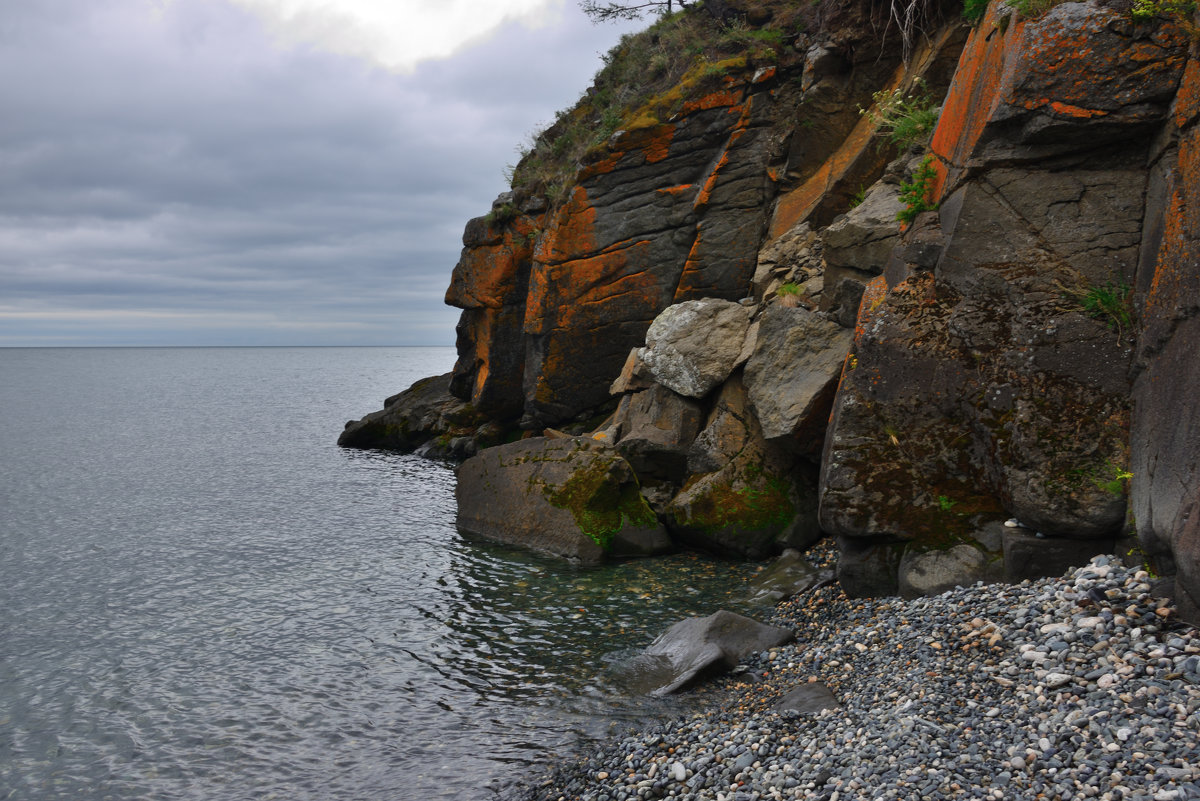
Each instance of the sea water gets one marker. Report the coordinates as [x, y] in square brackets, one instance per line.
[203, 597]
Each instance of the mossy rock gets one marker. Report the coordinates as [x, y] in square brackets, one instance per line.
[570, 497]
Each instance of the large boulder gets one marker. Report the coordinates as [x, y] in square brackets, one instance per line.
[424, 412]
[1165, 436]
[990, 386]
[699, 648]
[570, 497]
[655, 428]
[858, 245]
[692, 347]
[793, 374]
[747, 498]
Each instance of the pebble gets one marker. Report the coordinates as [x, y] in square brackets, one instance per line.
[1034, 690]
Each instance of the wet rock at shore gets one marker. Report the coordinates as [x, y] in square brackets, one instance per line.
[699, 648]
[788, 575]
[570, 497]
[420, 414]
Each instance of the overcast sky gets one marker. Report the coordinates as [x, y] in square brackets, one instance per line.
[262, 172]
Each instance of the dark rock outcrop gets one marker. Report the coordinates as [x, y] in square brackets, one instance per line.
[983, 388]
[1024, 350]
[425, 413]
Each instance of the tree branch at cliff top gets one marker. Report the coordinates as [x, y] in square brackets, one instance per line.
[611, 12]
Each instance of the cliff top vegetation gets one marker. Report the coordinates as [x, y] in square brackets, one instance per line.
[647, 78]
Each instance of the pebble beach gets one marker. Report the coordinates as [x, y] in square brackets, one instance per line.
[1085, 686]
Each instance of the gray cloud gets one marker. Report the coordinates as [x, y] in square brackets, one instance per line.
[181, 178]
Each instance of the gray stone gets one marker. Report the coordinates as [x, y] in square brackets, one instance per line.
[572, 497]
[793, 374]
[863, 239]
[656, 428]
[692, 347]
[934, 572]
[700, 648]
[810, 698]
[788, 575]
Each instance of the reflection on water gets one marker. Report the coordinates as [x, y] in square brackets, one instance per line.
[203, 597]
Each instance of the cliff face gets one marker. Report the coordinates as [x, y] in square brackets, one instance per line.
[673, 206]
[1021, 351]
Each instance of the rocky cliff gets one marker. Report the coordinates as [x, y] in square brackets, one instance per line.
[968, 357]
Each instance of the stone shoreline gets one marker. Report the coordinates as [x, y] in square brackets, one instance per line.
[1085, 686]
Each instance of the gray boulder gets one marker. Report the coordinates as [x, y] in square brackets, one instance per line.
[656, 427]
[862, 240]
[692, 347]
[699, 648]
[570, 497]
[792, 376]
[934, 572]
[748, 498]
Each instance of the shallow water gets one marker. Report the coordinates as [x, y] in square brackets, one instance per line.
[203, 597]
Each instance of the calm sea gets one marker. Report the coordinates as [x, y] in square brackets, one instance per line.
[202, 597]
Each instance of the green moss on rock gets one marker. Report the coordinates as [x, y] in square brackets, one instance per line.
[601, 503]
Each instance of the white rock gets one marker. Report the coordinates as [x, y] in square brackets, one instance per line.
[678, 771]
[1055, 680]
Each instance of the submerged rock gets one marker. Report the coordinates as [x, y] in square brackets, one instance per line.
[570, 497]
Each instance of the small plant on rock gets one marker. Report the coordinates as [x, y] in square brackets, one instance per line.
[974, 10]
[1109, 301]
[501, 215]
[916, 193]
[904, 118]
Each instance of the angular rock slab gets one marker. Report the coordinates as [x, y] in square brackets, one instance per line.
[793, 374]
[748, 498]
[787, 576]
[699, 648]
[692, 347]
[656, 427]
[571, 497]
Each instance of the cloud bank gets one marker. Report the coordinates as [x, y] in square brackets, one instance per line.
[196, 172]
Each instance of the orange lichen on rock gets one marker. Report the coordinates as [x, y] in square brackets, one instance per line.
[1070, 65]
[873, 297]
[484, 274]
[571, 234]
[796, 205]
[726, 97]
[1174, 284]
[973, 94]
[1187, 98]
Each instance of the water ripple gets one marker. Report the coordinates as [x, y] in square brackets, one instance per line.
[204, 598]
